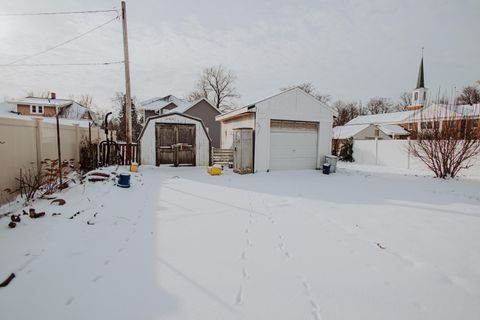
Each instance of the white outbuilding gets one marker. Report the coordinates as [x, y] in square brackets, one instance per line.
[174, 139]
[291, 130]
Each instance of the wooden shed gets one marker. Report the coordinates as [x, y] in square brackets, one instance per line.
[174, 139]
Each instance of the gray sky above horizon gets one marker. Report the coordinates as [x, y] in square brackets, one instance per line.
[352, 50]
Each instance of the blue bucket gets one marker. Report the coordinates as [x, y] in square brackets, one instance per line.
[124, 180]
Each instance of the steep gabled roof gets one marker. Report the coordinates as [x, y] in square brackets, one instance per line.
[251, 106]
[421, 76]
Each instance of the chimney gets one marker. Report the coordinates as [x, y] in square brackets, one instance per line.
[53, 95]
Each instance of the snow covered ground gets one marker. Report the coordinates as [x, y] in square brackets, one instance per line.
[180, 244]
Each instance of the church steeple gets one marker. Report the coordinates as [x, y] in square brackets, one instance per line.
[421, 77]
[419, 95]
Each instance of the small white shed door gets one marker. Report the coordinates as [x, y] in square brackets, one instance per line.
[293, 145]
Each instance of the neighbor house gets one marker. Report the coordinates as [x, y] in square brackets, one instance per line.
[291, 130]
[201, 109]
[49, 107]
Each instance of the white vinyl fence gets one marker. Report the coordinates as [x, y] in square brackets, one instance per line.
[395, 154]
[25, 143]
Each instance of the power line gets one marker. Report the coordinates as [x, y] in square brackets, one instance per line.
[56, 13]
[62, 64]
[63, 43]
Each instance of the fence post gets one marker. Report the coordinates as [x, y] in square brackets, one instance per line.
[77, 142]
[408, 154]
[38, 141]
[376, 151]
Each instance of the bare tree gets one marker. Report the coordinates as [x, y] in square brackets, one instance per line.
[86, 100]
[404, 101]
[447, 142]
[31, 94]
[470, 94]
[309, 88]
[216, 84]
[346, 112]
[379, 105]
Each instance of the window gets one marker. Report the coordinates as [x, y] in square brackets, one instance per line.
[377, 132]
[475, 123]
[436, 124]
[425, 95]
[427, 125]
[416, 95]
[36, 109]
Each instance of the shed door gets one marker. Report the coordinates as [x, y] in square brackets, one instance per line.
[293, 145]
[175, 144]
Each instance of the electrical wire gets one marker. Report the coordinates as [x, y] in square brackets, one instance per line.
[62, 43]
[56, 13]
[62, 64]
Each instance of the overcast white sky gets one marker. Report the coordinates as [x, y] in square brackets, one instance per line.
[350, 49]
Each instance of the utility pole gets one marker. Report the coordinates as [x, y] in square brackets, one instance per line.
[128, 97]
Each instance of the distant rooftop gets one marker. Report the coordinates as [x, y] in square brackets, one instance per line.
[158, 103]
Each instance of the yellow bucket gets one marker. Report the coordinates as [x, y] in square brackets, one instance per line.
[134, 167]
[215, 171]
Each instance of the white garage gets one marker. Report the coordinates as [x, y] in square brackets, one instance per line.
[292, 130]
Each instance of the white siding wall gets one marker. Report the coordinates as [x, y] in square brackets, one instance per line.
[246, 121]
[291, 105]
[148, 153]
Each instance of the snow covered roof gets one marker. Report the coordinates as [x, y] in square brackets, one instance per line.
[7, 111]
[381, 118]
[393, 129]
[43, 101]
[347, 132]
[251, 106]
[158, 103]
[443, 111]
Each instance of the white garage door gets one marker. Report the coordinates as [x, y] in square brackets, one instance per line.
[293, 145]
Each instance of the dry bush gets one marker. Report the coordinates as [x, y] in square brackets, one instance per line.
[447, 142]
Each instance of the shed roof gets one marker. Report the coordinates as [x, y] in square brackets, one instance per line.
[173, 114]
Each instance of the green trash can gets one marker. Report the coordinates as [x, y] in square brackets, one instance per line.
[332, 160]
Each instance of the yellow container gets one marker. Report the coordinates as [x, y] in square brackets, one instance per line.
[215, 171]
[134, 167]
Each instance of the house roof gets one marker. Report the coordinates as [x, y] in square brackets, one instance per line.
[43, 101]
[69, 108]
[7, 111]
[347, 132]
[155, 104]
[186, 107]
[393, 129]
[387, 118]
